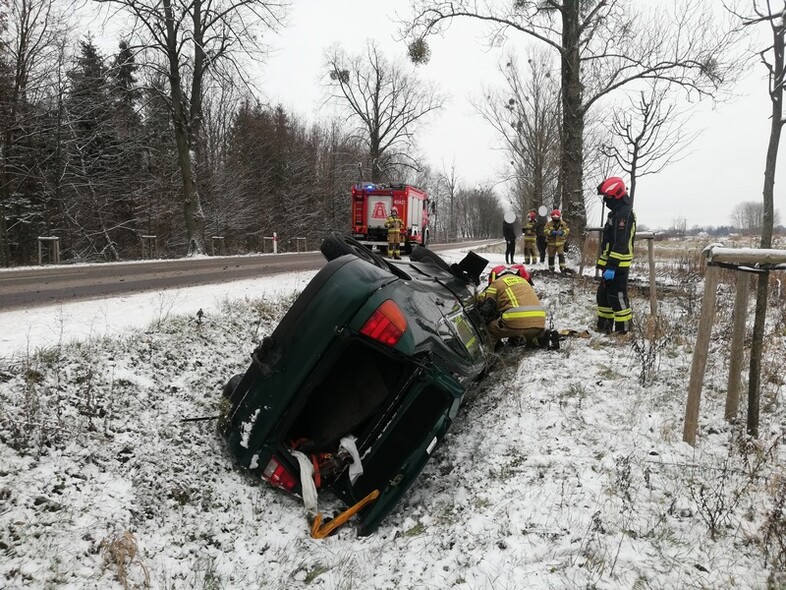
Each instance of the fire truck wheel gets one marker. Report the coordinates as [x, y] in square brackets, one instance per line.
[335, 245]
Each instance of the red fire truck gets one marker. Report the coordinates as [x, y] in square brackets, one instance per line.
[371, 204]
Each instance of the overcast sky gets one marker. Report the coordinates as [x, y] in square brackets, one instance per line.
[725, 166]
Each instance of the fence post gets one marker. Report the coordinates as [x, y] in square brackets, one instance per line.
[217, 240]
[52, 249]
[275, 243]
[149, 246]
[699, 364]
[737, 339]
[651, 259]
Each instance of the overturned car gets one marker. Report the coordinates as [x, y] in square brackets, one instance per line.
[359, 382]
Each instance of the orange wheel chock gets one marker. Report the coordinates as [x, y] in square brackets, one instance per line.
[320, 531]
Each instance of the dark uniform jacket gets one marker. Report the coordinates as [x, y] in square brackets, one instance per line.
[508, 232]
[618, 234]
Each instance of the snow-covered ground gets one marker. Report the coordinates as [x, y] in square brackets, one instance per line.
[567, 470]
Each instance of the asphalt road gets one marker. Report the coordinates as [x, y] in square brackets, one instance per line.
[47, 285]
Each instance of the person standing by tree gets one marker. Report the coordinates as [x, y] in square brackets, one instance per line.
[616, 255]
[394, 225]
[529, 230]
[509, 233]
[556, 232]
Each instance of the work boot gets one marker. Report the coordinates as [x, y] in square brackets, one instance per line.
[542, 340]
[605, 325]
[554, 340]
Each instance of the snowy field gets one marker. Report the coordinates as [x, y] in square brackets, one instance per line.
[567, 470]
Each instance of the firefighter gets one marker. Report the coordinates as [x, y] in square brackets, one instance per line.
[394, 225]
[530, 236]
[556, 232]
[616, 256]
[512, 309]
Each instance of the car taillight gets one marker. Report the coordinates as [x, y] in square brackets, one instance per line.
[278, 475]
[386, 325]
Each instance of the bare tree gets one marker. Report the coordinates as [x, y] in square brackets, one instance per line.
[189, 42]
[603, 45]
[386, 102]
[749, 217]
[449, 186]
[526, 116]
[773, 14]
[31, 51]
[647, 136]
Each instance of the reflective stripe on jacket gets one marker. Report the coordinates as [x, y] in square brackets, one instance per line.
[556, 226]
[619, 234]
[394, 224]
[517, 302]
[529, 231]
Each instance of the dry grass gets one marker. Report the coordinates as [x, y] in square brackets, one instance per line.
[122, 551]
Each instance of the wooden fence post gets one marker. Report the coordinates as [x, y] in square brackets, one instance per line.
[737, 339]
[699, 364]
[651, 260]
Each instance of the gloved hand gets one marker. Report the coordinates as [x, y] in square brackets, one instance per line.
[560, 232]
[554, 232]
[488, 310]
[608, 274]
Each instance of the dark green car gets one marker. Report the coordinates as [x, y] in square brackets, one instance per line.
[365, 372]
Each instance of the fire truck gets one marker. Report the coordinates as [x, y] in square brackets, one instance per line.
[371, 204]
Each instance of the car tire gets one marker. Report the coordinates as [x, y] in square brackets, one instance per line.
[230, 386]
[336, 245]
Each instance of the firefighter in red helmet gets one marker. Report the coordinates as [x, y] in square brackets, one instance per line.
[616, 256]
[530, 236]
[394, 225]
[556, 231]
[512, 309]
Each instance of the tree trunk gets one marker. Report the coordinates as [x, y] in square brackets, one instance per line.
[762, 289]
[192, 207]
[572, 154]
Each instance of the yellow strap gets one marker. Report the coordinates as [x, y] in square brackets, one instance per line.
[320, 531]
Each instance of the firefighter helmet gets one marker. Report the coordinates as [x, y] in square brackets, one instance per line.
[394, 210]
[522, 271]
[532, 215]
[556, 214]
[502, 270]
[613, 188]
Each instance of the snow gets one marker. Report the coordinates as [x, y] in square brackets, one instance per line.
[565, 470]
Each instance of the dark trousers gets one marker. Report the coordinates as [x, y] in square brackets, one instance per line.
[542, 247]
[510, 251]
[614, 311]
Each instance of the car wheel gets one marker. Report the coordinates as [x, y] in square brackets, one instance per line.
[230, 386]
[336, 245]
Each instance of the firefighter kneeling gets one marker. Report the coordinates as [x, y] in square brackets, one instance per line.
[512, 310]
